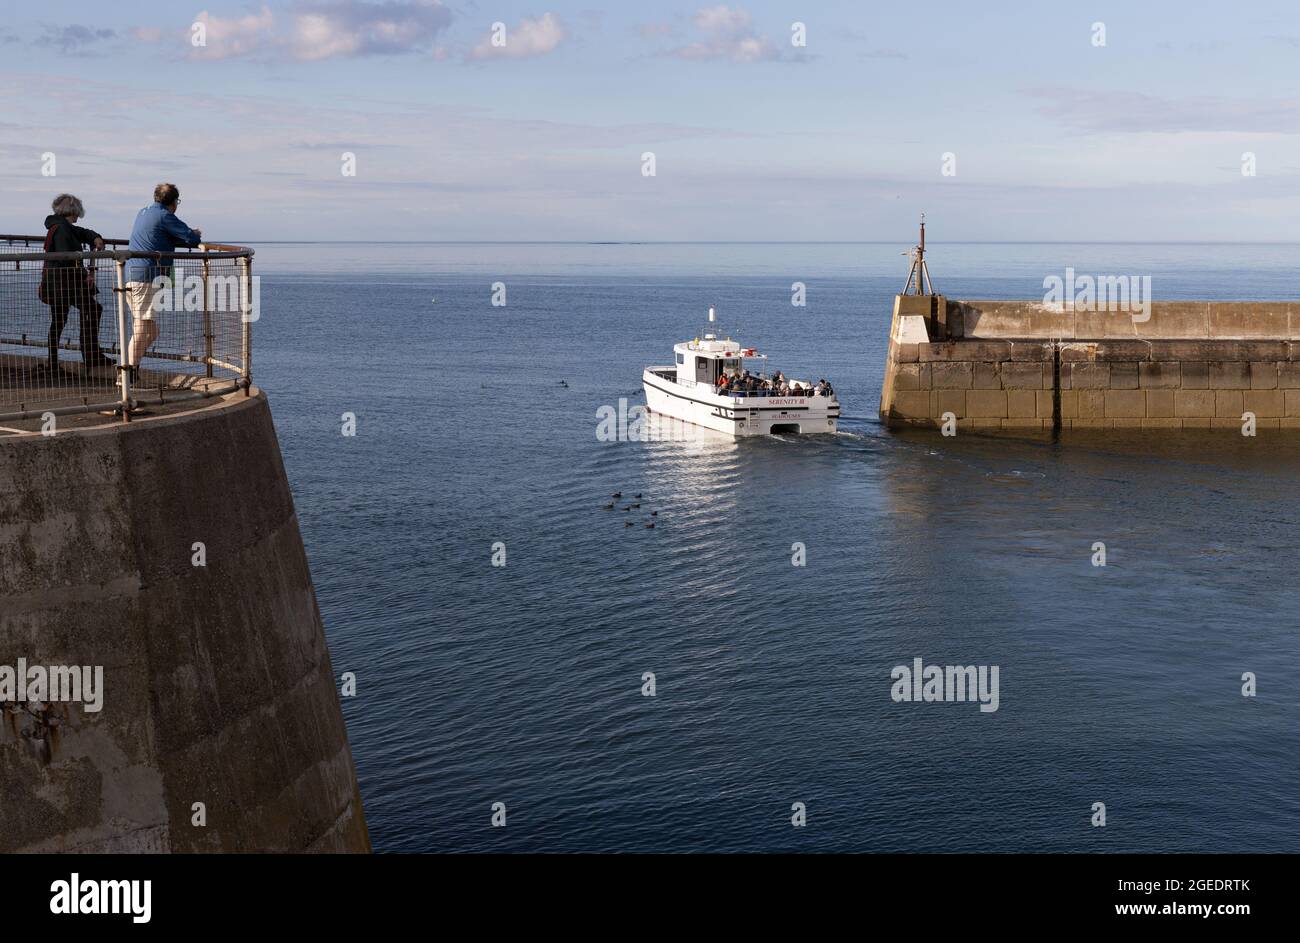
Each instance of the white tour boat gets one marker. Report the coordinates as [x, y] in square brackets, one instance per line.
[770, 404]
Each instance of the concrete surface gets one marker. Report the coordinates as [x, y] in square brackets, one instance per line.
[1169, 320]
[218, 684]
[1022, 366]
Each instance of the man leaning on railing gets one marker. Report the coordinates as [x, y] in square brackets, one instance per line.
[156, 229]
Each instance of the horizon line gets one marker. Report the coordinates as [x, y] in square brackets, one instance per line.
[764, 242]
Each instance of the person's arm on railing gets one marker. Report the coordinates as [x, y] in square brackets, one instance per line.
[89, 237]
[181, 234]
[72, 238]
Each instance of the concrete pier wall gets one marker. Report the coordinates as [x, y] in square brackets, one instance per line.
[1024, 366]
[217, 688]
[1166, 320]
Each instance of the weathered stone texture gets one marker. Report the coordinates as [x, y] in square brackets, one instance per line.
[217, 681]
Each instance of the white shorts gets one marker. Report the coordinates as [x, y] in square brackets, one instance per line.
[141, 296]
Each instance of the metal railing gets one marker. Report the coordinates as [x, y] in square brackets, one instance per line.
[806, 389]
[67, 320]
[801, 393]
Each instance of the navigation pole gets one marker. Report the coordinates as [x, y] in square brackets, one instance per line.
[919, 274]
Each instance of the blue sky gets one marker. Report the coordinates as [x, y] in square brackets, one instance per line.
[1054, 137]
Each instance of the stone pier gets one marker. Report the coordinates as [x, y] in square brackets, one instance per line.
[1025, 366]
[220, 727]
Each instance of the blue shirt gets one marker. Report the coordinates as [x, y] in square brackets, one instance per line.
[156, 229]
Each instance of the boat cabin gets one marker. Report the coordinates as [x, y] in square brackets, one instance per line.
[701, 362]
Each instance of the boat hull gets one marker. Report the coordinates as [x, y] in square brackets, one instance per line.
[741, 416]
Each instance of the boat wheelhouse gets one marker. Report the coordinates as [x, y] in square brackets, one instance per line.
[718, 384]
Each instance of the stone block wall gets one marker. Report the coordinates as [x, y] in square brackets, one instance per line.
[1024, 384]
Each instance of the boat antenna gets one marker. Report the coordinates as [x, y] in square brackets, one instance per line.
[711, 318]
[919, 273]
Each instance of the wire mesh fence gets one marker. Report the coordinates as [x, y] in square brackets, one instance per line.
[108, 330]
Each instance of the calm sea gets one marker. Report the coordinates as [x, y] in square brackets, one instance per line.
[522, 684]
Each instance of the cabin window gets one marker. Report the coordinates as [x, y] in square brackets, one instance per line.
[681, 359]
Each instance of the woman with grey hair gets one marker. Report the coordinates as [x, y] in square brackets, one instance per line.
[66, 283]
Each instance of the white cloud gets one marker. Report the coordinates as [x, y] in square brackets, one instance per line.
[231, 37]
[729, 35]
[532, 37]
[724, 19]
[319, 37]
[355, 28]
[328, 29]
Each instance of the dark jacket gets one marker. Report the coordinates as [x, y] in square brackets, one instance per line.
[67, 238]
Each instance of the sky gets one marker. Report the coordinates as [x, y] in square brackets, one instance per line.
[489, 120]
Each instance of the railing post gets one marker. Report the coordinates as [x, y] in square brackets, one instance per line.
[246, 325]
[123, 374]
[207, 314]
